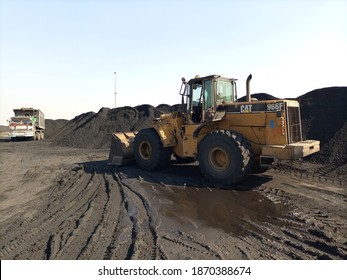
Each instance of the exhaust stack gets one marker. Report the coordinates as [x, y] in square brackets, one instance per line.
[248, 93]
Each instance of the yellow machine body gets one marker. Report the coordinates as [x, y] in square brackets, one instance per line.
[267, 132]
[271, 128]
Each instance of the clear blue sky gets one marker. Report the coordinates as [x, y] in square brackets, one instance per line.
[60, 56]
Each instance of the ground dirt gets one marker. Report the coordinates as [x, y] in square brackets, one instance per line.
[60, 200]
[67, 203]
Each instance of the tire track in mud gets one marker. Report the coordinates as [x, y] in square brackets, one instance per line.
[143, 234]
[65, 200]
[79, 216]
[102, 213]
[179, 241]
[87, 233]
[321, 174]
[88, 215]
[190, 246]
[306, 232]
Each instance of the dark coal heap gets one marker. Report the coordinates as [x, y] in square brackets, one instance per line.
[323, 113]
[324, 117]
[93, 130]
[258, 96]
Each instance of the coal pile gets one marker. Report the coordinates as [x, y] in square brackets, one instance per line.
[258, 96]
[93, 130]
[334, 152]
[323, 112]
[324, 118]
[53, 127]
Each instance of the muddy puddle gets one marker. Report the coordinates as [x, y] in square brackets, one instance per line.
[234, 212]
[198, 205]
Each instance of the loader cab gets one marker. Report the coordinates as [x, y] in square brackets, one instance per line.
[205, 94]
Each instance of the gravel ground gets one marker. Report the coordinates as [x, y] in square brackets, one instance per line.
[67, 203]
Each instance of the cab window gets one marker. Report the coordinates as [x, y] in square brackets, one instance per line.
[225, 91]
[196, 108]
[208, 94]
[196, 94]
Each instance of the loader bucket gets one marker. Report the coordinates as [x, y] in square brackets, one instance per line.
[121, 151]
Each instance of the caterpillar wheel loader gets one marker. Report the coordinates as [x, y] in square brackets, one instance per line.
[228, 138]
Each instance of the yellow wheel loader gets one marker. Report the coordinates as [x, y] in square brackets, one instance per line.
[228, 138]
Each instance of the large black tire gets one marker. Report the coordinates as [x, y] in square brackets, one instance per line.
[149, 151]
[224, 157]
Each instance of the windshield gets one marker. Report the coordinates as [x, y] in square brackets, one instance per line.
[21, 120]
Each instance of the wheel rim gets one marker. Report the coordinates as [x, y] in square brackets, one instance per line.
[219, 159]
[145, 150]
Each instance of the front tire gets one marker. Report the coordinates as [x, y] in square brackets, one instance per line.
[149, 151]
[224, 157]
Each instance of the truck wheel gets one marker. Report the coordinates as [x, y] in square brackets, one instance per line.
[149, 151]
[224, 157]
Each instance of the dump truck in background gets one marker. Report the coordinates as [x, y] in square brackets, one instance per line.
[27, 123]
[229, 139]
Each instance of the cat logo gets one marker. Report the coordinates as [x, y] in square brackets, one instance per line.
[246, 108]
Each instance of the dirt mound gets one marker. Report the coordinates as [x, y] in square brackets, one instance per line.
[323, 112]
[53, 126]
[335, 151]
[324, 117]
[165, 108]
[93, 130]
[259, 96]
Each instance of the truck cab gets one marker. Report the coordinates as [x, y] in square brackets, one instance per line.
[27, 123]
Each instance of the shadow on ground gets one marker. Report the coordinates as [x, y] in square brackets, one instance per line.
[174, 175]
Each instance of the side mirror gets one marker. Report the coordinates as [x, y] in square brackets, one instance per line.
[184, 87]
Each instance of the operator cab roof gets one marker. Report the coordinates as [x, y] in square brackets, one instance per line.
[200, 79]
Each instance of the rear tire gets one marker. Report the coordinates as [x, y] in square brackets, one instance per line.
[149, 151]
[224, 157]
